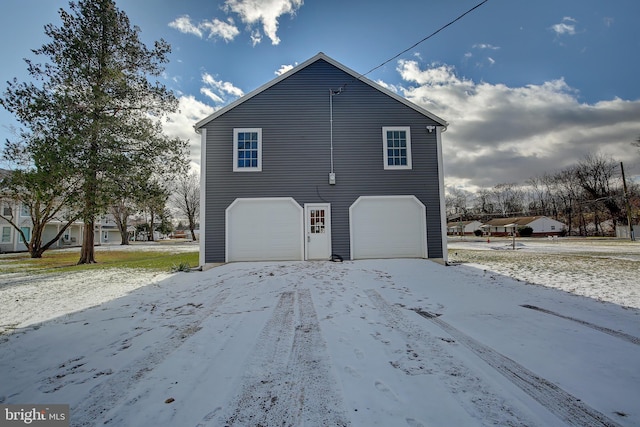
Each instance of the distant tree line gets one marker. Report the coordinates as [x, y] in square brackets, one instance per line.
[588, 197]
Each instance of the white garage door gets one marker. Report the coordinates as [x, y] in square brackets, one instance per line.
[264, 229]
[388, 227]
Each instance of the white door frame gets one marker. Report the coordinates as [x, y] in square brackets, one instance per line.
[321, 242]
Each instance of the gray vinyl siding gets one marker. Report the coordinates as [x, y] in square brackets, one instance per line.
[294, 117]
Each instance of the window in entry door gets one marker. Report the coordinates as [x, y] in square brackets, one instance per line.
[317, 221]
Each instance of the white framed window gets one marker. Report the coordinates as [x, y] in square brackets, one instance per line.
[27, 234]
[6, 234]
[6, 210]
[25, 210]
[247, 150]
[397, 147]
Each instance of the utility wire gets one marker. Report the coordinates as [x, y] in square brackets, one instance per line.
[426, 38]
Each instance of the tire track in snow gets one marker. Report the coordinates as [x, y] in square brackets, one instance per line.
[107, 394]
[563, 405]
[474, 395]
[289, 382]
[612, 332]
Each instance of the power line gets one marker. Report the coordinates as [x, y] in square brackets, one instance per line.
[426, 38]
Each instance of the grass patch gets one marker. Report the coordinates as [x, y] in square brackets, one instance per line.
[54, 261]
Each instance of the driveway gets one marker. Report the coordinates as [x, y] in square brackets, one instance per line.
[365, 343]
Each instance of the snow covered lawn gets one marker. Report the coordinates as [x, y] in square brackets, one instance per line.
[365, 343]
[604, 269]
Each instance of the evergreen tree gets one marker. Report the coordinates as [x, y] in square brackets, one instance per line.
[96, 95]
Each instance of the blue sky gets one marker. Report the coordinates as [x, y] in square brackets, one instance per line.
[527, 87]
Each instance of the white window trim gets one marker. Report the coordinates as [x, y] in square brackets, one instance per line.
[236, 131]
[25, 211]
[385, 129]
[10, 234]
[6, 206]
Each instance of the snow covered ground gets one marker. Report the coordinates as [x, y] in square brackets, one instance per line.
[365, 343]
[603, 269]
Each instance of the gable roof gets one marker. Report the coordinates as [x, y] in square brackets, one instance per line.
[319, 56]
[462, 223]
[501, 222]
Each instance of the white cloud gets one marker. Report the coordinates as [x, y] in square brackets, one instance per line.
[180, 124]
[216, 28]
[256, 37]
[210, 94]
[184, 25]
[502, 134]
[218, 90]
[252, 12]
[485, 46]
[567, 26]
[224, 87]
[283, 69]
[265, 12]
[491, 60]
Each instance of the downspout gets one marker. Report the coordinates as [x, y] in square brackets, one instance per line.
[203, 200]
[443, 215]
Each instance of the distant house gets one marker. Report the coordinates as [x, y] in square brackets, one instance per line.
[623, 232]
[458, 228]
[11, 240]
[541, 225]
[321, 162]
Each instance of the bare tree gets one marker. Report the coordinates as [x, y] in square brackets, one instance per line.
[186, 199]
[508, 198]
[456, 203]
[482, 204]
[596, 175]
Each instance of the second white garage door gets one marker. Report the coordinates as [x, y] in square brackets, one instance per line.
[388, 227]
[264, 229]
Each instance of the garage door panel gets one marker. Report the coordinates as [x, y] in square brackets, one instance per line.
[268, 229]
[388, 227]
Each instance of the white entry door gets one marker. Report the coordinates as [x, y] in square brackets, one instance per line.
[318, 231]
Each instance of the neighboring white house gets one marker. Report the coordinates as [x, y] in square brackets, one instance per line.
[458, 228]
[622, 232]
[106, 230]
[541, 225]
[11, 240]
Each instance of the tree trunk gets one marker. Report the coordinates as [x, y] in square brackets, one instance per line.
[35, 245]
[87, 253]
[192, 227]
[124, 237]
[150, 236]
[122, 228]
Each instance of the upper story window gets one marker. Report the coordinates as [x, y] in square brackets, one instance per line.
[6, 210]
[25, 210]
[247, 150]
[397, 147]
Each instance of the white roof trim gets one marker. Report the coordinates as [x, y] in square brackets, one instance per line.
[305, 64]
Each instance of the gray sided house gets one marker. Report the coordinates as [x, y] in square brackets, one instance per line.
[321, 162]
